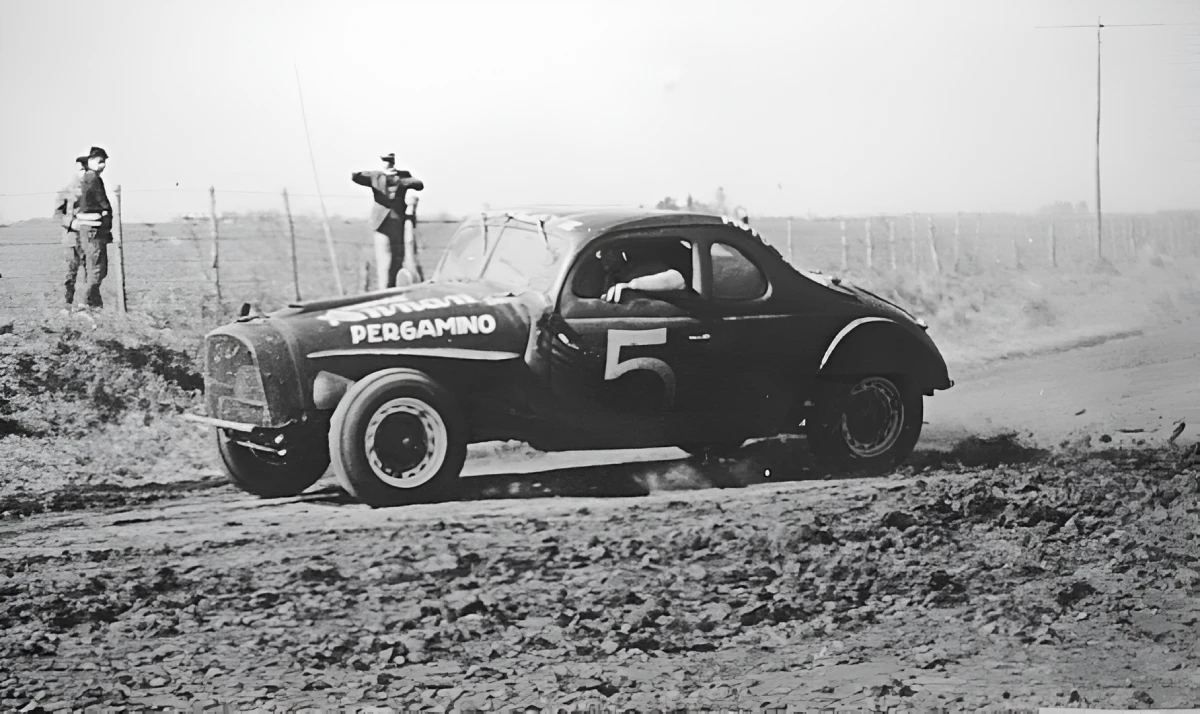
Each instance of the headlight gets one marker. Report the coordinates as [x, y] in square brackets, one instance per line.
[248, 386]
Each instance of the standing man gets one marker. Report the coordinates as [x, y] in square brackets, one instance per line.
[393, 244]
[64, 211]
[93, 222]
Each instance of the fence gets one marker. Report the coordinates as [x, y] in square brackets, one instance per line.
[213, 256]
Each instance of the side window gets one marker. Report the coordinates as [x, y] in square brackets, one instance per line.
[625, 260]
[735, 277]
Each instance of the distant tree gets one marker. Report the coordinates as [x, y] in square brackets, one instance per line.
[1060, 207]
[718, 207]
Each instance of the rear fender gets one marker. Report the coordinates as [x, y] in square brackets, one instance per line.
[880, 345]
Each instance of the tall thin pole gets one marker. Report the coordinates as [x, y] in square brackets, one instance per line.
[287, 209]
[216, 242]
[337, 274]
[120, 241]
[1099, 28]
[1099, 213]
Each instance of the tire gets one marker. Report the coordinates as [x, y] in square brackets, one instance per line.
[720, 450]
[423, 459]
[865, 425]
[270, 476]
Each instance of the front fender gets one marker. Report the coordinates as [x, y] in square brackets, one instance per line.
[881, 345]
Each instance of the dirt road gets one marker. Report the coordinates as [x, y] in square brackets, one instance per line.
[1022, 581]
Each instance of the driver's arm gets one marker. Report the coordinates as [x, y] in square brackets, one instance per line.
[659, 282]
[664, 281]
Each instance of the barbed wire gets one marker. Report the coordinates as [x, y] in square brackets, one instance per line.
[255, 245]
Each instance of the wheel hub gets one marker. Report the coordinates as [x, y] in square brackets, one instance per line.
[400, 442]
[406, 442]
[873, 418]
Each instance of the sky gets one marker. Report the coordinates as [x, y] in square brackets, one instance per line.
[793, 107]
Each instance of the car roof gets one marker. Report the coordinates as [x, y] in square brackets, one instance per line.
[585, 222]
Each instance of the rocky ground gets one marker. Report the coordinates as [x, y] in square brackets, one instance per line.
[1025, 580]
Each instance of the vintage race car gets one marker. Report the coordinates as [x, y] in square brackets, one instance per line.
[529, 330]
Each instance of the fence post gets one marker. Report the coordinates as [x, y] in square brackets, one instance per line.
[912, 224]
[216, 246]
[979, 237]
[1016, 245]
[119, 239]
[1135, 224]
[287, 210]
[1053, 246]
[891, 224]
[937, 264]
[790, 248]
[957, 246]
[845, 249]
[870, 245]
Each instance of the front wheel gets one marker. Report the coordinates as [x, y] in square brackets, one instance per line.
[274, 467]
[398, 437]
[868, 425]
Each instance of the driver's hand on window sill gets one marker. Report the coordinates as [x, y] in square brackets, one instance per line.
[614, 293]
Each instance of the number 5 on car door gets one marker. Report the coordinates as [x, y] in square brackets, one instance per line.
[614, 367]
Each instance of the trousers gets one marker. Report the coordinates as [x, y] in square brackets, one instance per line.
[392, 242]
[91, 252]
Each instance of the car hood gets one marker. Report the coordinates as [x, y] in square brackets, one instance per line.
[464, 320]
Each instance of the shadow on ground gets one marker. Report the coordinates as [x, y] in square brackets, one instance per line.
[766, 461]
[760, 462]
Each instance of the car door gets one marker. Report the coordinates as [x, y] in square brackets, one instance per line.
[756, 335]
[641, 361]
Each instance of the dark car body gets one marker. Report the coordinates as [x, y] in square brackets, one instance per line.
[533, 356]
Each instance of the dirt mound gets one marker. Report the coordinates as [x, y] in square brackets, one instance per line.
[63, 381]
[88, 402]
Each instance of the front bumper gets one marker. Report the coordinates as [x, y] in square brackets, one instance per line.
[219, 423]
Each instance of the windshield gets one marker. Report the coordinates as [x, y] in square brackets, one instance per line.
[465, 254]
[521, 256]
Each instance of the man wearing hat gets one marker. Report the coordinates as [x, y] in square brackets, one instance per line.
[93, 223]
[394, 247]
[64, 211]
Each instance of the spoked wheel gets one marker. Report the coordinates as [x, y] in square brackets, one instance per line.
[868, 425]
[398, 437]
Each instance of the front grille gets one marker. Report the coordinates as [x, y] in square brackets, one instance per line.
[232, 385]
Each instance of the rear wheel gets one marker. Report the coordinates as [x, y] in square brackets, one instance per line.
[867, 425]
[398, 437]
[274, 467]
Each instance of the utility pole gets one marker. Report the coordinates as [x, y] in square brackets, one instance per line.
[1100, 26]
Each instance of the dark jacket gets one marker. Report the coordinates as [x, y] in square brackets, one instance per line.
[387, 205]
[94, 199]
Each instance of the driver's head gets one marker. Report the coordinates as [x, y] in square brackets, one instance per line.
[613, 259]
